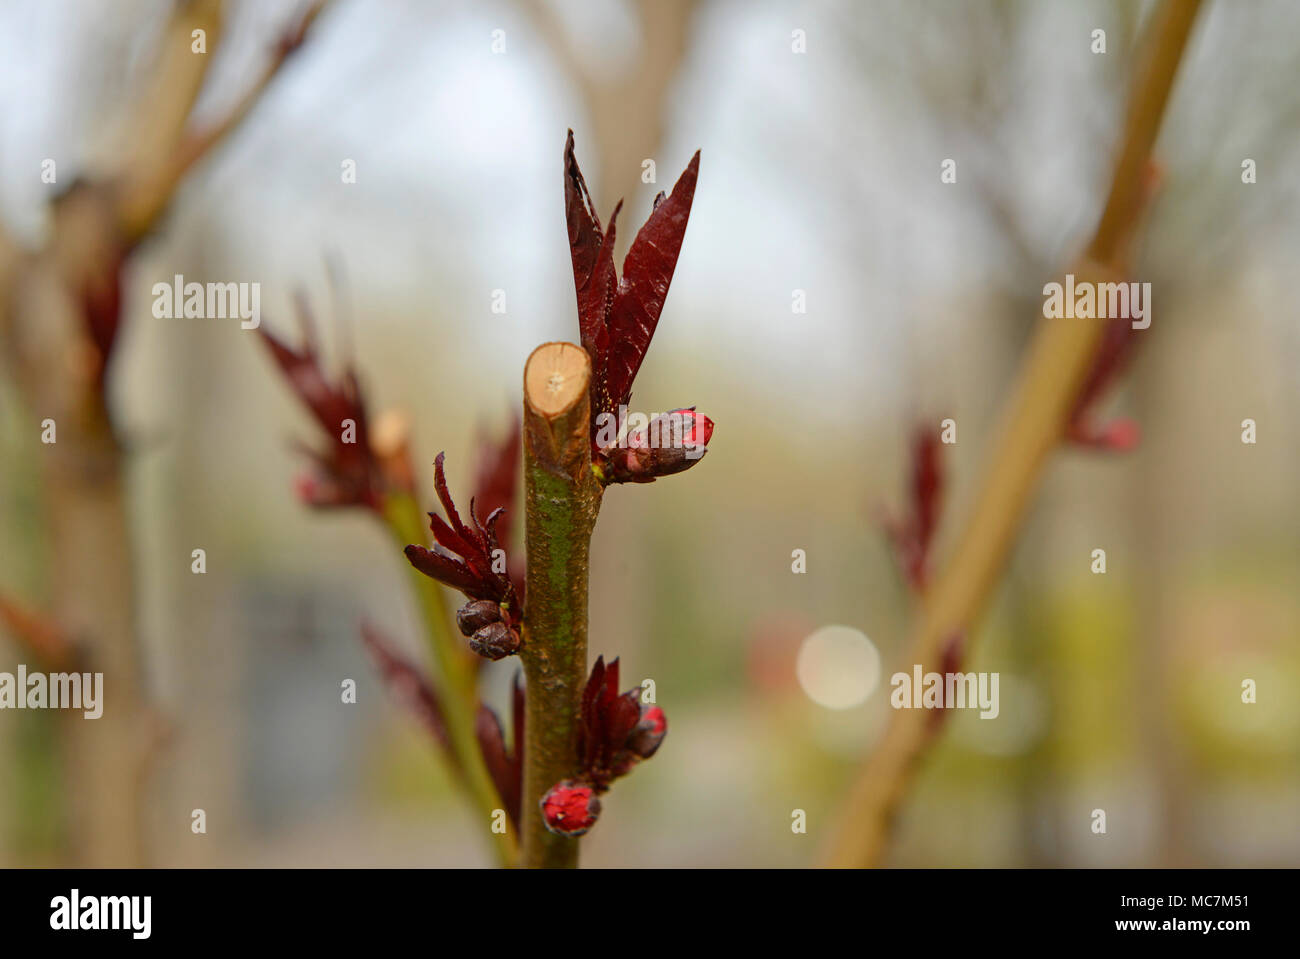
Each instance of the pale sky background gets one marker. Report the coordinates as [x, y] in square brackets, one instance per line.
[819, 172]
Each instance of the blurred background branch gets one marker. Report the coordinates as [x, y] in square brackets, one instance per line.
[1034, 422]
[62, 313]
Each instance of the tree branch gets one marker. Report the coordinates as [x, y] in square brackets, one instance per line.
[146, 193]
[1033, 423]
[561, 499]
[46, 322]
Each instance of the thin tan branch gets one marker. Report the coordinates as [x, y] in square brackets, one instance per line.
[175, 81]
[145, 195]
[1032, 426]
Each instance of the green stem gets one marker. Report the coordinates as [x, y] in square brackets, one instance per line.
[561, 500]
[455, 679]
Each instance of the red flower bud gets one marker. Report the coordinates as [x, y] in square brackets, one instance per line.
[472, 617]
[670, 443]
[570, 808]
[649, 732]
[495, 641]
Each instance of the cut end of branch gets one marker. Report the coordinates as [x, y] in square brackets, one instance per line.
[557, 409]
[556, 378]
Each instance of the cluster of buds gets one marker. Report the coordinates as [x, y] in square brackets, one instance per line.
[484, 624]
[470, 559]
[616, 731]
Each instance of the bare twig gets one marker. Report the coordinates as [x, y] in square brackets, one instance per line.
[148, 188]
[1033, 424]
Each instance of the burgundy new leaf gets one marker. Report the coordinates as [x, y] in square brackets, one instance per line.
[954, 650]
[647, 273]
[498, 475]
[615, 730]
[347, 472]
[496, 488]
[913, 536]
[593, 257]
[617, 317]
[467, 557]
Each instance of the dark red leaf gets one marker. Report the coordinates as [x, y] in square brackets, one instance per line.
[445, 569]
[348, 473]
[497, 481]
[462, 557]
[617, 317]
[585, 245]
[444, 497]
[621, 717]
[927, 485]
[613, 731]
[609, 688]
[647, 272]
[954, 650]
[913, 536]
[595, 684]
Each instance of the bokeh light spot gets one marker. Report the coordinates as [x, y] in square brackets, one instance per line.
[838, 667]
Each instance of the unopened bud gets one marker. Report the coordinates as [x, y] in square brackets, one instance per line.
[649, 732]
[495, 641]
[570, 808]
[472, 617]
[670, 443]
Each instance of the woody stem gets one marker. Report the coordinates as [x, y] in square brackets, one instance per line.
[561, 500]
[1033, 424]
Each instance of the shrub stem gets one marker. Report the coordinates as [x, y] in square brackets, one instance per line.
[561, 500]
